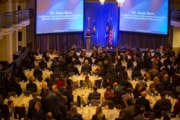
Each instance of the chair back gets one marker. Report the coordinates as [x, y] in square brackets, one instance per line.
[20, 112]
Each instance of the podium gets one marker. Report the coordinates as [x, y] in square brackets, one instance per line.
[88, 42]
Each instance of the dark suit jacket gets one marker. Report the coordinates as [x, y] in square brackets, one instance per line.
[32, 87]
[94, 95]
[143, 101]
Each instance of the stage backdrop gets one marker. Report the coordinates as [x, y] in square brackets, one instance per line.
[100, 18]
[102, 21]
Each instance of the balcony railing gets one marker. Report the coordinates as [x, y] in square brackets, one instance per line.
[9, 18]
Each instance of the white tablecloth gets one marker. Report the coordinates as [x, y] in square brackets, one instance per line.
[88, 111]
[29, 73]
[134, 82]
[19, 101]
[38, 57]
[23, 85]
[46, 74]
[154, 99]
[93, 68]
[78, 78]
[84, 93]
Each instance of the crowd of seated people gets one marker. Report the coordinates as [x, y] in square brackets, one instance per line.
[54, 101]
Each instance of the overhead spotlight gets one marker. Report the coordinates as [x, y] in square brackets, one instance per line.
[120, 2]
[102, 2]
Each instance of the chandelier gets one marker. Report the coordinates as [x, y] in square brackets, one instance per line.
[119, 2]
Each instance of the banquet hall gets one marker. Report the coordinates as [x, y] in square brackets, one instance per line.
[89, 60]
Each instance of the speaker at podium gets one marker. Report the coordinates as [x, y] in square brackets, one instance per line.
[88, 39]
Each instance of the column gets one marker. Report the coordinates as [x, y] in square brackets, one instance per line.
[9, 50]
[10, 5]
[23, 43]
[15, 41]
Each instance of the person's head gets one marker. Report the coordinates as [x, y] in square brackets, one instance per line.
[108, 81]
[108, 88]
[115, 84]
[31, 79]
[49, 115]
[11, 104]
[44, 84]
[87, 78]
[95, 88]
[152, 87]
[129, 90]
[37, 106]
[166, 77]
[73, 109]
[86, 62]
[98, 109]
[54, 88]
[156, 80]
[143, 93]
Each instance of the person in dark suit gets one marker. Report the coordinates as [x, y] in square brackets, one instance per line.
[99, 115]
[37, 113]
[87, 83]
[37, 73]
[55, 103]
[73, 114]
[86, 67]
[143, 101]
[32, 103]
[31, 86]
[13, 86]
[4, 111]
[162, 106]
[94, 97]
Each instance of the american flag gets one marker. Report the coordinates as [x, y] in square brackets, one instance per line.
[110, 39]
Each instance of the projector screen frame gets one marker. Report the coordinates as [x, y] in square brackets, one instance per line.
[150, 33]
[50, 33]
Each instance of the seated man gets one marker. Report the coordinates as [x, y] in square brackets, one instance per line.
[99, 115]
[31, 86]
[86, 67]
[87, 83]
[142, 101]
[94, 97]
[152, 90]
[162, 106]
[108, 95]
[73, 114]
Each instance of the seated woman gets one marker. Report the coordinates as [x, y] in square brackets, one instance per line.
[87, 83]
[99, 115]
[108, 95]
[128, 97]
